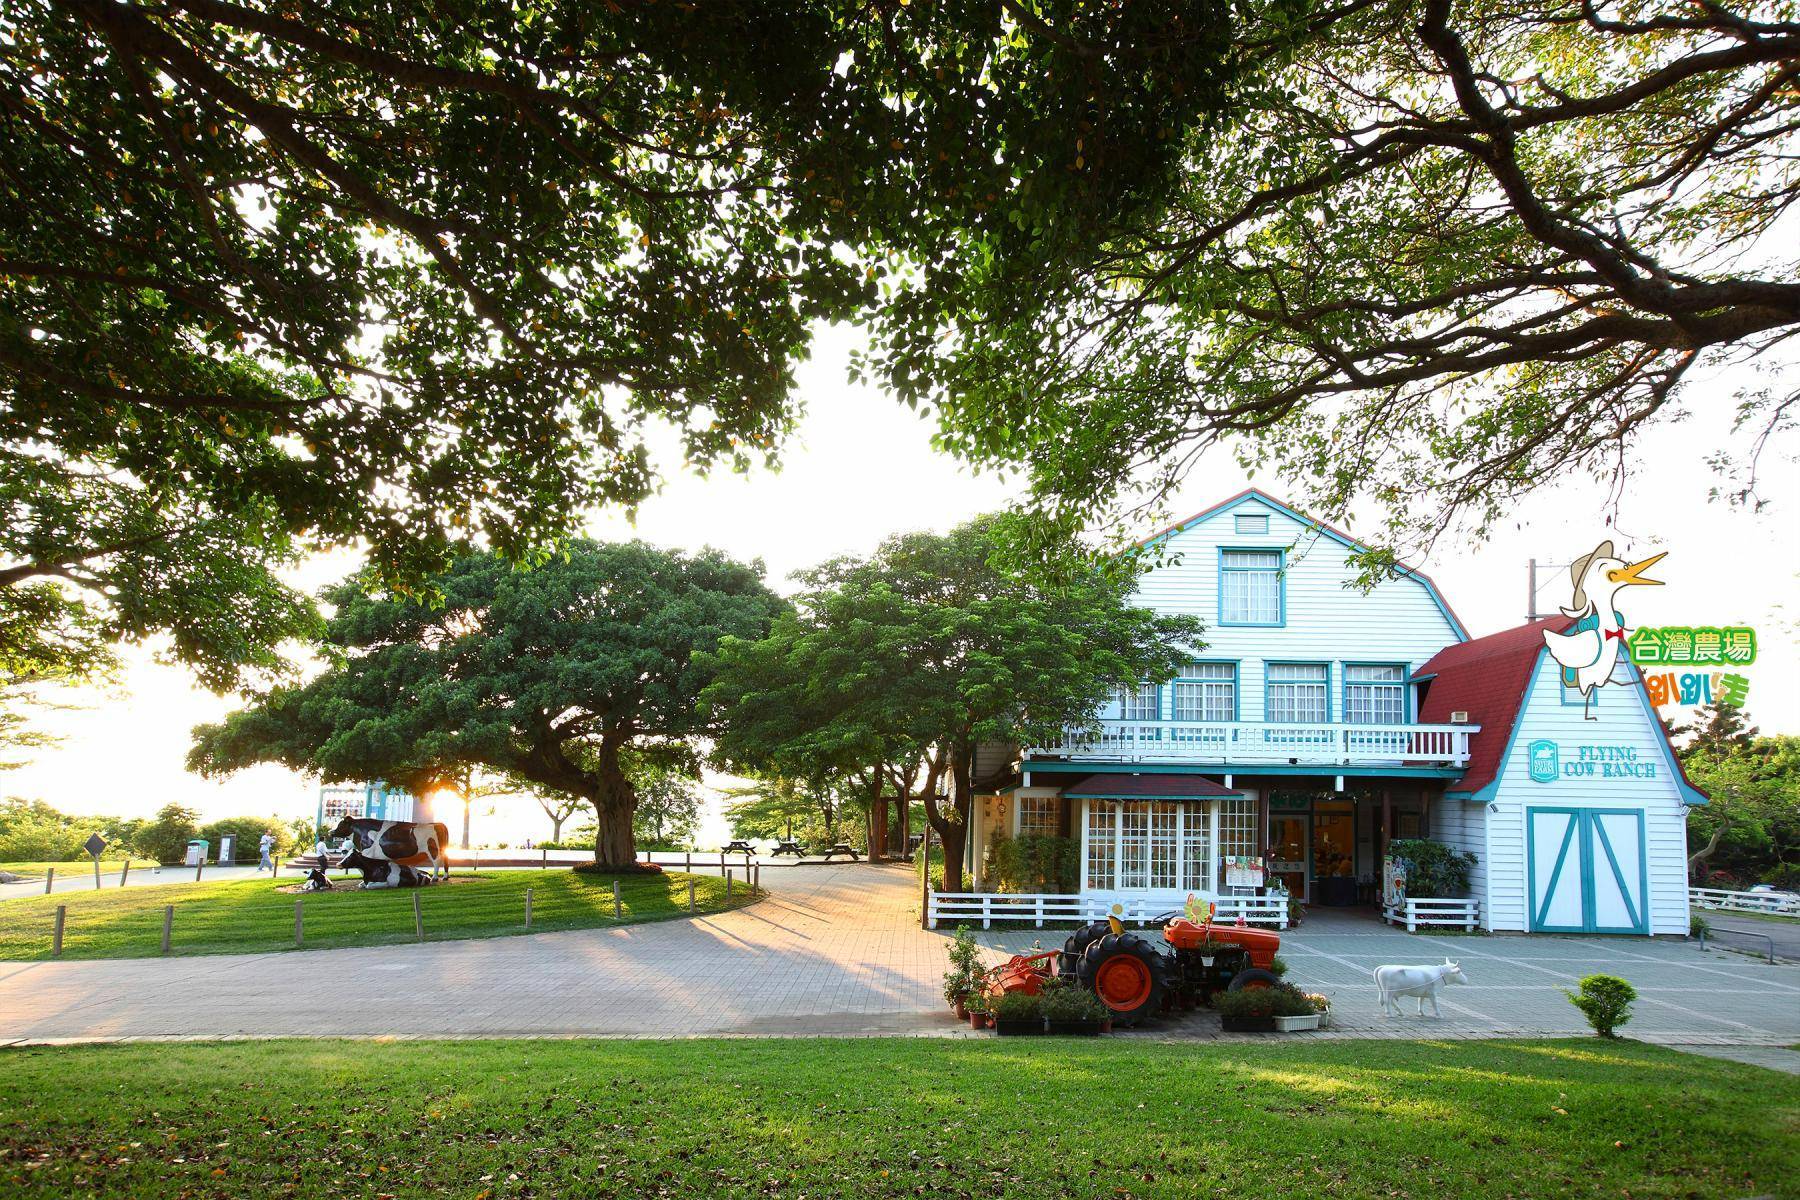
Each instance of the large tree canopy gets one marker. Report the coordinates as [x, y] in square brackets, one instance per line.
[1439, 253]
[556, 675]
[908, 660]
[408, 273]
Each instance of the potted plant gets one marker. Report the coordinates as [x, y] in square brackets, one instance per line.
[977, 1011]
[1209, 949]
[1265, 1010]
[1018, 1013]
[1074, 1012]
[1322, 1005]
[965, 974]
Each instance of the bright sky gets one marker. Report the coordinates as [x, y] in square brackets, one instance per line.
[862, 467]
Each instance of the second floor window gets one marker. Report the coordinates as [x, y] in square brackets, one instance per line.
[1375, 695]
[1250, 587]
[1297, 692]
[1140, 703]
[1207, 692]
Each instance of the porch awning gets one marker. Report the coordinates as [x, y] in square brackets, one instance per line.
[1148, 787]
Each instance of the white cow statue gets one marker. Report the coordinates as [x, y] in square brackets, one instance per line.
[1423, 982]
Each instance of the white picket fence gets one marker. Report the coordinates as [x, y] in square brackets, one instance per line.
[1038, 907]
[1785, 903]
[1414, 911]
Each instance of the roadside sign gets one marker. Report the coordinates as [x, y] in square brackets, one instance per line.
[94, 845]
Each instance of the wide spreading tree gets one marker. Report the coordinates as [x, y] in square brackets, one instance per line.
[904, 662]
[276, 274]
[555, 675]
[1436, 254]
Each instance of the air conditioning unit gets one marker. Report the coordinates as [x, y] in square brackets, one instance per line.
[1459, 717]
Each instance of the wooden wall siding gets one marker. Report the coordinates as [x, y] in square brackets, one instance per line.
[1623, 721]
[1463, 824]
[1327, 622]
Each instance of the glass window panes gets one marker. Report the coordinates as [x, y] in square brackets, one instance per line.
[1297, 692]
[1237, 827]
[1165, 820]
[1375, 695]
[1102, 844]
[1140, 703]
[1207, 692]
[1196, 854]
[1038, 816]
[1250, 587]
[1134, 846]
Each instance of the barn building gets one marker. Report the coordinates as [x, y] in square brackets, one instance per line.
[1319, 724]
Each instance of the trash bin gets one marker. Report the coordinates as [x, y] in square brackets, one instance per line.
[227, 849]
[196, 852]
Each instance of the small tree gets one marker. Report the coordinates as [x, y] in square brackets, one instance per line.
[557, 675]
[1605, 1000]
[165, 839]
[1432, 868]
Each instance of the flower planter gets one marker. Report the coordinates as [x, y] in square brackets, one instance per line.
[1247, 1024]
[1018, 1027]
[1325, 1019]
[962, 1010]
[976, 1020]
[1296, 1024]
[1076, 1028]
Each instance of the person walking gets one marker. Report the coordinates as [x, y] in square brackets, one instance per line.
[266, 844]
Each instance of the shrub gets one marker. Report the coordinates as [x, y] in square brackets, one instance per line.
[248, 831]
[1282, 1000]
[166, 837]
[1698, 926]
[1278, 965]
[1605, 1000]
[1018, 1006]
[1073, 1004]
[1432, 868]
[1035, 863]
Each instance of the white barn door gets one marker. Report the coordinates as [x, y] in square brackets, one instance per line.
[1586, 870]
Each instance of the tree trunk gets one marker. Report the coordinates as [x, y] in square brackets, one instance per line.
[556, 824]
[952, 826]
[468, 803]
[1697, 861]
[614, 803]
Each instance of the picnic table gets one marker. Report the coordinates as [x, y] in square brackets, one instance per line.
[842, 848]
[787, 847]
[738, 847]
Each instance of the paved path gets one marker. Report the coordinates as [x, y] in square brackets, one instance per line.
[81, 879]
[836, 950]
[1748, 933]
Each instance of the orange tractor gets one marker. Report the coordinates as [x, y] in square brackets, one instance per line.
[1136, 979]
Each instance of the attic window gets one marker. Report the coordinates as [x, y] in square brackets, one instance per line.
[1252, 523]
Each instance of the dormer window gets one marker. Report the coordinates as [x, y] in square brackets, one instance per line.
[1250, 587]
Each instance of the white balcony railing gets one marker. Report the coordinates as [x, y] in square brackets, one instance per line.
[1251, 742]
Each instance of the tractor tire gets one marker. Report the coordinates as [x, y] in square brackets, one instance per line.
[1128, 975]
[1253, 977]
[1076, 944]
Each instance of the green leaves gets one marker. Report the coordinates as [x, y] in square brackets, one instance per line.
[550, 674]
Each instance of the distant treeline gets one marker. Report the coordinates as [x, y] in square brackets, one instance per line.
[34, 831]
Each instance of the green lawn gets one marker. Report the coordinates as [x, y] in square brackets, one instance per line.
[85, 867]
[887, 1117]
[236, 916]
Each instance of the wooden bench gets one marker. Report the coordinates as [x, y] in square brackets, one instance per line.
[842, 848]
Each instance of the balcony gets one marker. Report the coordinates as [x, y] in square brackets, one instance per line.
[1245, 742]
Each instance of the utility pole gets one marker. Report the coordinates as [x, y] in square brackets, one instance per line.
[1531, 612]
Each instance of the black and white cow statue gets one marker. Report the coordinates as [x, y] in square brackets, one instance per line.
[390, 853]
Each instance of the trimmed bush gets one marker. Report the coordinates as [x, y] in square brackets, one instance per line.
[1018, 1006]
[1605, 1000]
[1073, 1004]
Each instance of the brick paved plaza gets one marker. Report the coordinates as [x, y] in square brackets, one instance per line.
[838, 950]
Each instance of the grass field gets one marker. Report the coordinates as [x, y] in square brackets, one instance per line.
[888, 1118]
[85, 867]
[238, 916]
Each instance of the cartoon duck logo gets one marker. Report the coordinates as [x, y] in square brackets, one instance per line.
[1590, 650]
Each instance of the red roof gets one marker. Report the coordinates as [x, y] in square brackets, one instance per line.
[1486, 678]
[1147, 787]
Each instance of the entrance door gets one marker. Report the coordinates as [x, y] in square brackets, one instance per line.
[1287, 859]
[1586, 870]
[1334, 853]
